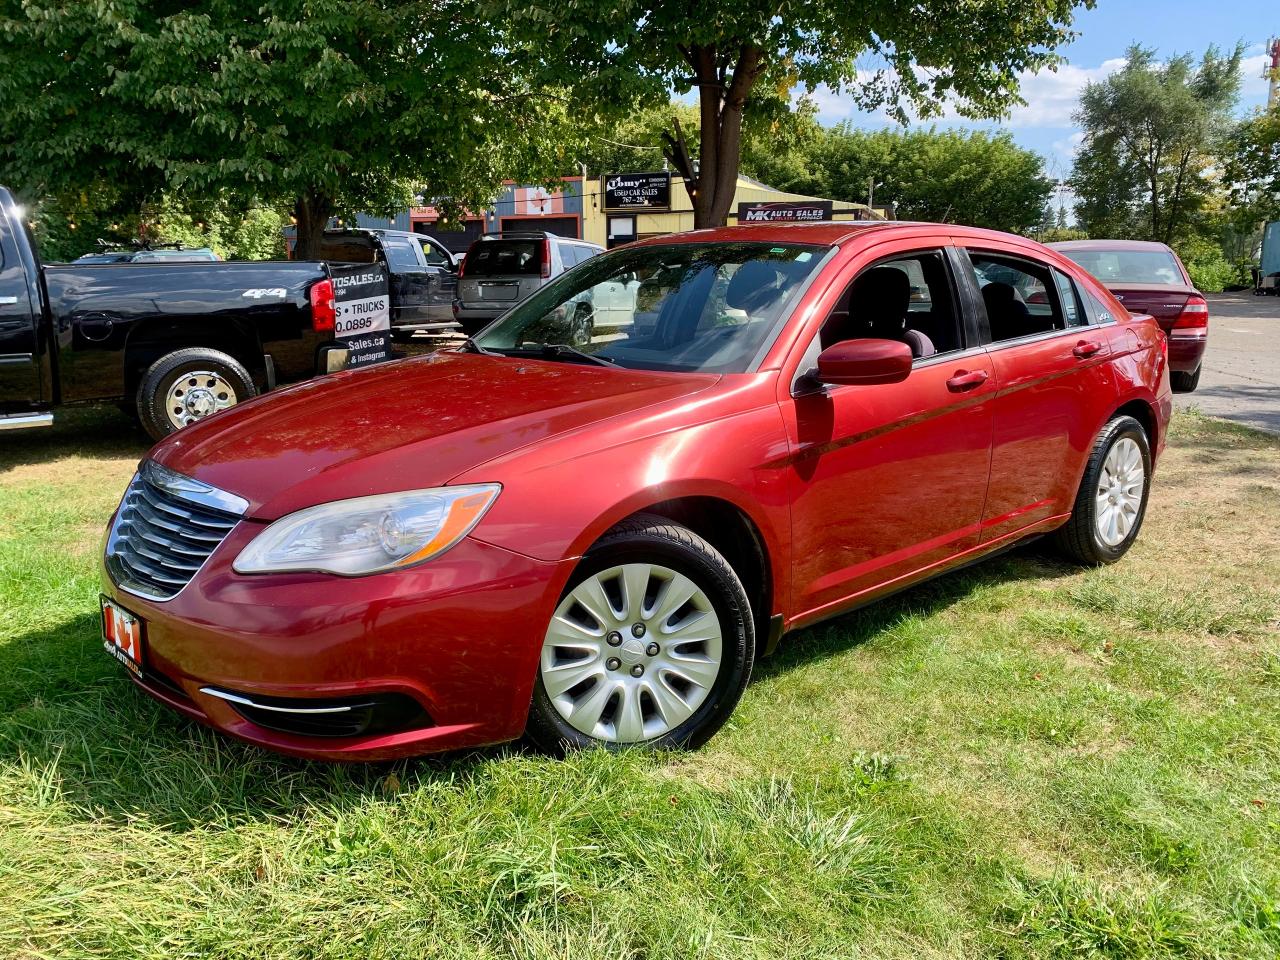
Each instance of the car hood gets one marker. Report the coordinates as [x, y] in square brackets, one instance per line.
[404, 425]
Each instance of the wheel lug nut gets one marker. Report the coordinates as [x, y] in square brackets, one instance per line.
[652, 650]
[637, 630]
[637, 671]
[613, 663]
[614, 638]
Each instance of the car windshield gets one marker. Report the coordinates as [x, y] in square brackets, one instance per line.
[704, 307]
[1129, 266]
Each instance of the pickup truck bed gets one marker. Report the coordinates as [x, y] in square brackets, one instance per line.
[175, 341]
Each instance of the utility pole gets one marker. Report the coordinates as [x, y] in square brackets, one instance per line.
[1272, 73]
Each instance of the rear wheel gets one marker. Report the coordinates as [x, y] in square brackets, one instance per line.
[189, 385]
[582, 328]
[651, 644]
[1112, 500]
[1183, 382]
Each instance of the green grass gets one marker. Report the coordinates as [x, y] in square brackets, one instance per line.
[1022, 759]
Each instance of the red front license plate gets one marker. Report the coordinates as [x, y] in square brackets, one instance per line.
[122, 635]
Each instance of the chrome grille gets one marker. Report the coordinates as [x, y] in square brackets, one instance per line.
[165, 529]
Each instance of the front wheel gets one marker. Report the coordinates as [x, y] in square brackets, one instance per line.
[1112, 501]
[188, 385]
[650, 645]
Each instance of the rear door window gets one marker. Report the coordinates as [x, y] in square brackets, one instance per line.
[402, 256]
[501, 258]
[1020, 296]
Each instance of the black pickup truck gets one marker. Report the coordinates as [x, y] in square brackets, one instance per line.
[175, 341]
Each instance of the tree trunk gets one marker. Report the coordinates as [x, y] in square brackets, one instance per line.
[312, 212]
[723, 88]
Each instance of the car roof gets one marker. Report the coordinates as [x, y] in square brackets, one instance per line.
[532, 235]
[826, 232]
[1065, 245]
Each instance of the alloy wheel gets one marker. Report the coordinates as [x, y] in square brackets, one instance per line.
[1120, 489]
[631, 653]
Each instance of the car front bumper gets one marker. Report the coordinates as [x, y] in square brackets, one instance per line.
[458, 636]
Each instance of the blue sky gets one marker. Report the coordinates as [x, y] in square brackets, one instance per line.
[1171, 26]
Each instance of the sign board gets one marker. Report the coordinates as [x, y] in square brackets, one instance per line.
[363, 302]
[636, 191]
[785, 212]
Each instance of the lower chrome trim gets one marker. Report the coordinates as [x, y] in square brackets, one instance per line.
[246, 702]
[26, 421]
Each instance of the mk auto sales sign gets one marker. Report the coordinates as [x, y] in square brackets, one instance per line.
[363, 304]
[784, 212]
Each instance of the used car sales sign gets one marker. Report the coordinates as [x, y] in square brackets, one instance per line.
[628, 191]
[783, 212]
[363, 302]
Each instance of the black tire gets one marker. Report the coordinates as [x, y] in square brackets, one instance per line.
[583, 327]
[1183, 382]
[1078, 538]
[162, 375]
[654, 539]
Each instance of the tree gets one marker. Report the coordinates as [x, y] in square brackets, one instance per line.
[1252, 168]
[950, 176]
[779, 145]
[1144, 169]
[906, 56]
[329, 107]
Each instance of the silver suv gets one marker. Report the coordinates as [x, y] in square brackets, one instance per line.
[501, 269]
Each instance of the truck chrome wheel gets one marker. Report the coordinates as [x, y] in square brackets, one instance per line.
[196, 395]
[631, 653]
[1120, 490]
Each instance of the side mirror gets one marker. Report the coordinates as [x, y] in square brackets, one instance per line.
[864, 362]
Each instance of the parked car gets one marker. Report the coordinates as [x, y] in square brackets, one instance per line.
[595, 543]
[422, 271]
[161, 254]
[502, 269]
[176, 341]
[1149, 278]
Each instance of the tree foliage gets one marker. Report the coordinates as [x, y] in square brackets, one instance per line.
[1145, 168]
[70, 226]
[329, 106]
[1252, 167]
[972, 177]
[906, 56]
[948, 176]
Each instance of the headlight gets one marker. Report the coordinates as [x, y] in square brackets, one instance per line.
[369, 534]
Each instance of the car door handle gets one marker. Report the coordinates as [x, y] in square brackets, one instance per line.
[967, 380]
[1086, 348]
[8, 301]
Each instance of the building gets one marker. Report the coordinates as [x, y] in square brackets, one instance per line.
[616, 208]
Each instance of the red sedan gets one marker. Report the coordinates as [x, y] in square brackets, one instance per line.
[594, 541]
[1149, 278]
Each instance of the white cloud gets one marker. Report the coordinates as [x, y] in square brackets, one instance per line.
[1052, 96]
[1254, 85]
